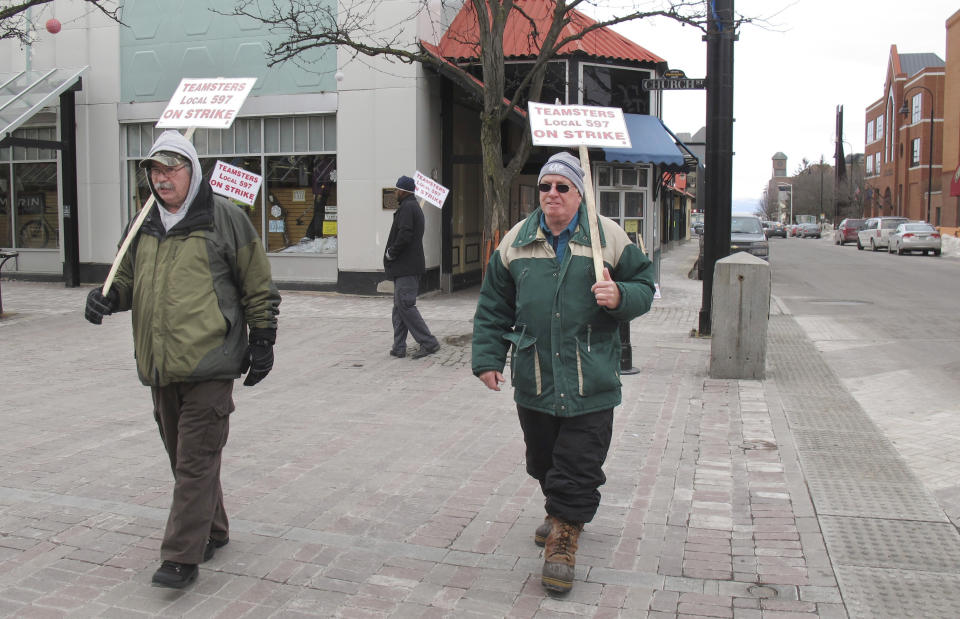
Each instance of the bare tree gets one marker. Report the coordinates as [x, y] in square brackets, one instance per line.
[308, 26]
[13, 24]
[853, 190]
[813, 189]
[768, 208]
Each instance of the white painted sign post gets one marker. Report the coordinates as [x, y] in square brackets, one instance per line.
[582, 126]
[211, 103]
[430, 190]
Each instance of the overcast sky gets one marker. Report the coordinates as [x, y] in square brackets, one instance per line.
[790, 75]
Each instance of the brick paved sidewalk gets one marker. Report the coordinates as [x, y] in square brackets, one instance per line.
[360, 485]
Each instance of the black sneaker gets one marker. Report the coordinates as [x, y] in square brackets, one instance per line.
[398, 354]
[211, 548]
[423, 351]
[175, 575]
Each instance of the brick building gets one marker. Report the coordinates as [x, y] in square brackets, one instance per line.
[902, 165]
[950, 178]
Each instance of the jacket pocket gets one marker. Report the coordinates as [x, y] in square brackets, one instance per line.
[598, 362]
[525, 373]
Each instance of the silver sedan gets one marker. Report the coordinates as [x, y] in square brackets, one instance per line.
[917, 236]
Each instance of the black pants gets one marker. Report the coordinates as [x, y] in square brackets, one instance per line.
[406, 316]
[194, 420]
[566, 455]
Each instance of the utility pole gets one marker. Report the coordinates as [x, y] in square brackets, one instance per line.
[820, 214]
[719, 148]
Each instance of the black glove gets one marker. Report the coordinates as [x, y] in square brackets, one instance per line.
[99, 306]
[259, 357]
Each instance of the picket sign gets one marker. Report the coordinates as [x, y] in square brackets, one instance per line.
[582, 126]
[200, 102]
[429, 190]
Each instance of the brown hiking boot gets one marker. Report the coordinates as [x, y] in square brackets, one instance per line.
[540, 535]
[560, 555]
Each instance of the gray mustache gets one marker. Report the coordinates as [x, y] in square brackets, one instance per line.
[165, 186]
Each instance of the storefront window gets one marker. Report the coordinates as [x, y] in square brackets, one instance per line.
[615, 87]
[35, 197]
[301, 204]
[29, 214]
[619, 198]
[6, 213]
[295, 210]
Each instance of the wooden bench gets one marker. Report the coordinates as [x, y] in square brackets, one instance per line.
[4, 256]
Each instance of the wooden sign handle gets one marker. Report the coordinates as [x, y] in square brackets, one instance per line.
[132, 233]
[595, 247]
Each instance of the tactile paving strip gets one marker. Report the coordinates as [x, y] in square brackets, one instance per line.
[894, 544]
[827, 419]
[848, 497]
[832, 440]
[871, 592]
[856, 467]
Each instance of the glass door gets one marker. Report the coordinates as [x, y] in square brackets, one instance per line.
[625, 206]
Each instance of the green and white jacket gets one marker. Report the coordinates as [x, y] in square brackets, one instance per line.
[565, 349]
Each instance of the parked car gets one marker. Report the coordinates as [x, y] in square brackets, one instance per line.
[746, 234]
[915, 236]
[847, 231]
[875, 232]
[809, 231]
[774, 228]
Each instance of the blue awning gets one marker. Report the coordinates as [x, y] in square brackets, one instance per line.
[652, 143]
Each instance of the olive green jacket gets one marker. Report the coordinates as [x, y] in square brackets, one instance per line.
[565, 349]
[194, 291]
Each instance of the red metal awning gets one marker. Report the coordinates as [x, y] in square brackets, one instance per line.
[460, 41]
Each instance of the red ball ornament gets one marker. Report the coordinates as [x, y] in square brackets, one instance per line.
[53, 25]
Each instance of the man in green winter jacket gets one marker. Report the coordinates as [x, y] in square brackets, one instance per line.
[540, 300]
[196, 278]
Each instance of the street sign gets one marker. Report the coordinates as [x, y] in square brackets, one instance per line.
[675, 84]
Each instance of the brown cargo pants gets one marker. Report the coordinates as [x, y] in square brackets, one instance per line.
[194, 420]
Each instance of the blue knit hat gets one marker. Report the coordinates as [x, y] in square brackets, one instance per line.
[406, 183]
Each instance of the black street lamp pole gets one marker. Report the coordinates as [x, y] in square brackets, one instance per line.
[904, 111]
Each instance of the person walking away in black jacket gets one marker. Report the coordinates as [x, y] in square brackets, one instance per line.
[404, 263]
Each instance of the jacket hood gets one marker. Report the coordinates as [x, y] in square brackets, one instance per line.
[175, 141]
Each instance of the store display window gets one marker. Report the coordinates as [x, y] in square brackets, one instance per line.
[29, 211]
[295, 209]
[301, 204]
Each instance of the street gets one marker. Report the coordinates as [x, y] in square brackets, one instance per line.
[888, 326]
[360, 485]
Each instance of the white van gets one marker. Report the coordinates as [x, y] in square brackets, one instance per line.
[875, 232]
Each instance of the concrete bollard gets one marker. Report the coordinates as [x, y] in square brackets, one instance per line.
[739, 313]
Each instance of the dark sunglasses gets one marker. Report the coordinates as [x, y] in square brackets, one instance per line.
[561, 188]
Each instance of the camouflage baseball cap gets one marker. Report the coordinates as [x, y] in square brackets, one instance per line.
[164, 157]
